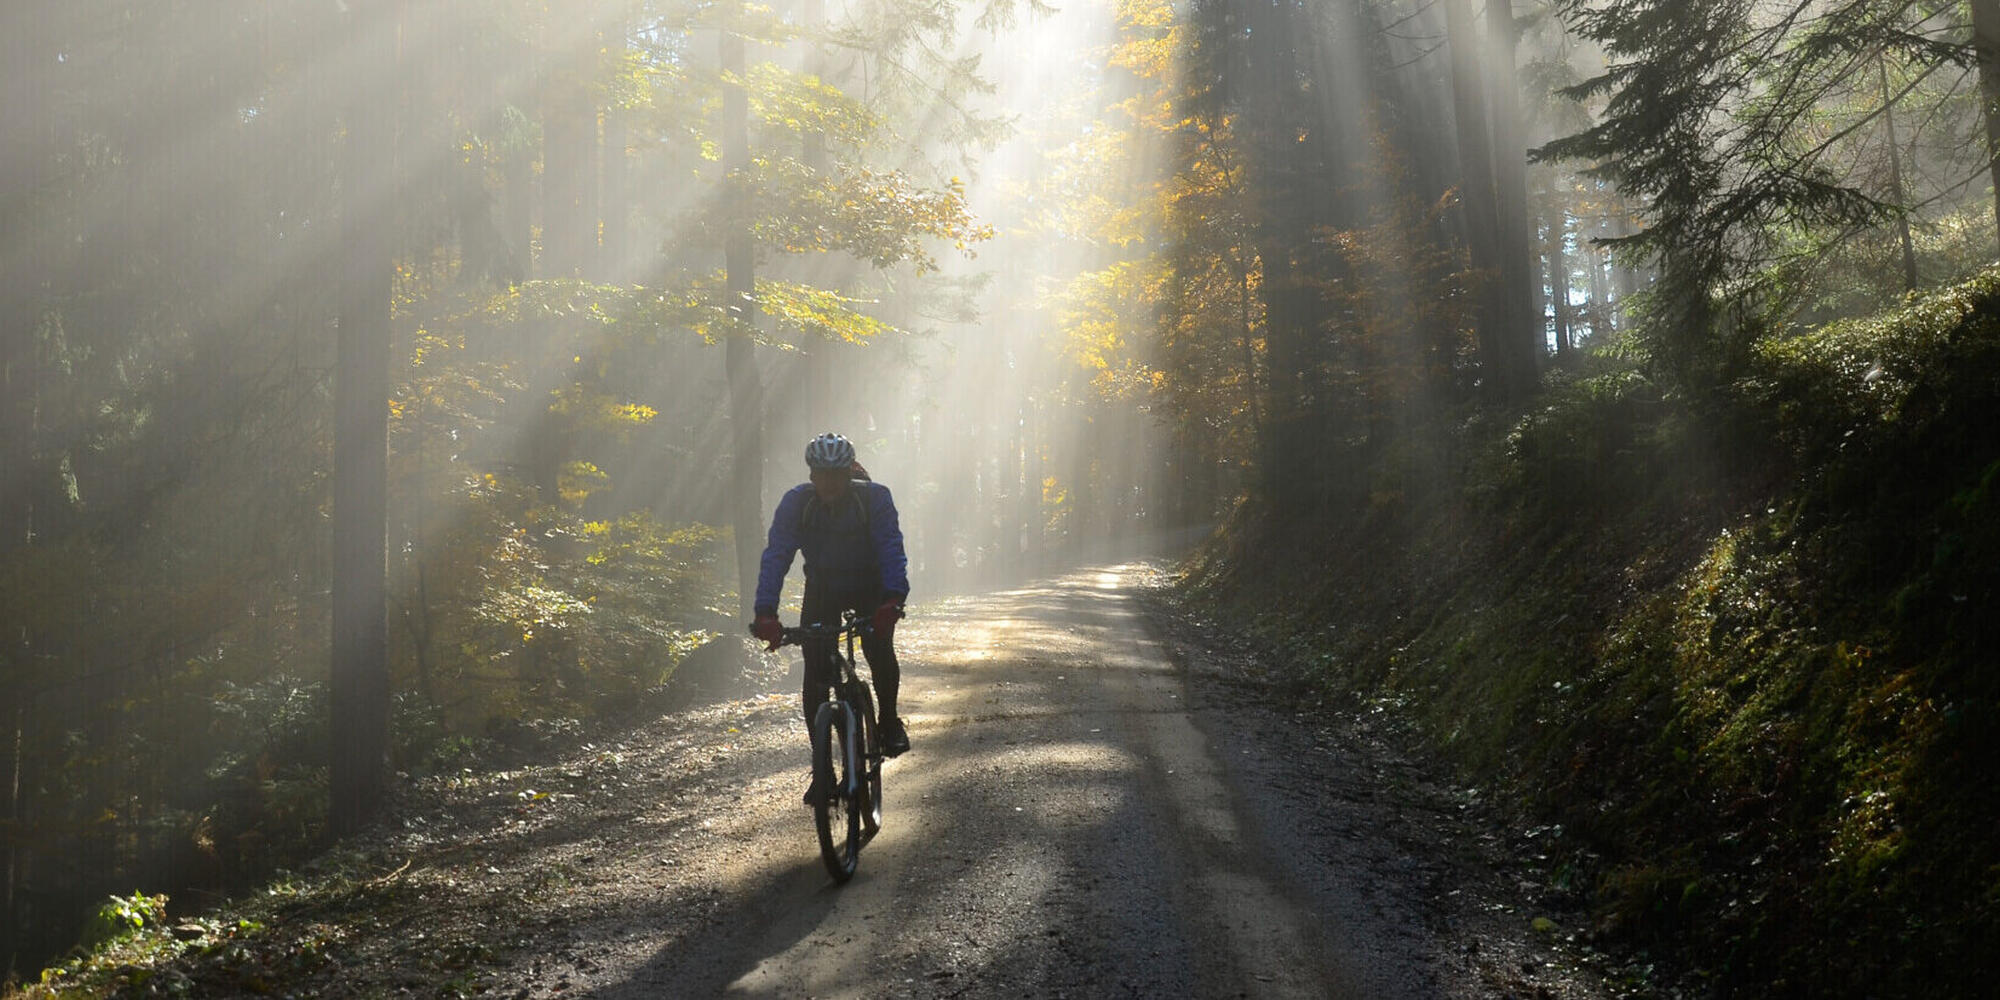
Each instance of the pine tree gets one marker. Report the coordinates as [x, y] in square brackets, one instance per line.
[1708, 111]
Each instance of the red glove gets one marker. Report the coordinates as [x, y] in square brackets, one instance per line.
[769, 629]
[885, 617]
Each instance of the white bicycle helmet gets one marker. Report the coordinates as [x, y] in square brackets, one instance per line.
[829, 451]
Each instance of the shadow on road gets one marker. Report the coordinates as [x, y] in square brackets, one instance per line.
[1063, 828]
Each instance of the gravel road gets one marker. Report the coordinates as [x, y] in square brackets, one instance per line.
[1093, 807]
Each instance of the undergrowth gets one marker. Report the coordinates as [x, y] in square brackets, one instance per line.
[1738, 649]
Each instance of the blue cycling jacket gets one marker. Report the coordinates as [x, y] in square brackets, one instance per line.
[842, 548]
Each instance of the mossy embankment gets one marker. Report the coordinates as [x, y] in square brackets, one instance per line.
[1741, 651]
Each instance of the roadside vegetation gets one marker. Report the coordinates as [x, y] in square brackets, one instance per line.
[1747, 686]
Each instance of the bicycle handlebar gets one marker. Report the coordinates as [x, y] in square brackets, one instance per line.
[860, 625]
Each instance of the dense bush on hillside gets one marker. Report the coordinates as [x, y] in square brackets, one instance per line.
[1740, 651]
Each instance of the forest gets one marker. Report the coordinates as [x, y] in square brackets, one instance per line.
[1602, 393]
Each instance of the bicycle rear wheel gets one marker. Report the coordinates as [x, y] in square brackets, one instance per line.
[835, 815]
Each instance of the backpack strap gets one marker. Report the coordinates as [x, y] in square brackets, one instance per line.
[812, 506]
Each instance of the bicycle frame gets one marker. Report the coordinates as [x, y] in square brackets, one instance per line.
[849, 716]
[844, 694]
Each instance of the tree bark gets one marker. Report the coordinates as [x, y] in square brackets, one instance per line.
[359, 680]
[616, 200]
[1476, 192]
[820, 352]
[739, 361]
[1559, 283]
[10, 936]
[569, 249]
[25, 167]
[1510, 183]
[1600, 305]
[1084, 512]
[1035, 470]
[1626, 278]
[569, 147]
[517, 213]
[1027, 492]
[1246, 339]
[1286, 202]
[1986, 36]
[1898, 195]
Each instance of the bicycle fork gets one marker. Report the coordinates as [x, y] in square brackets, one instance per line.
[838, 721]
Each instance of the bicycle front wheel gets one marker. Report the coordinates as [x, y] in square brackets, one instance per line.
[871, 760]
[835, 815]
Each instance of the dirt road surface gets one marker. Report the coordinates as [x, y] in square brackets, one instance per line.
[1094, 807]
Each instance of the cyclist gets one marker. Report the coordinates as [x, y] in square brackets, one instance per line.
[845, 523]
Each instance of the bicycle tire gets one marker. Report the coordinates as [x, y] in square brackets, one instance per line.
[835, 815]
[871, 756]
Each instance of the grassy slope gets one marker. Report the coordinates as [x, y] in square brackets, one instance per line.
[1754, 684]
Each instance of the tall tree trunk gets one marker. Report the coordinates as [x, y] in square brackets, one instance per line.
[739, 360]
[1626, 278]
[615, 200]
[1898, 195]
[1246, 339]
[1083, 528]
[569, 249]
[820, 352]
[1285, 444]
[1026, 491]
[569, 154]
[416, 609]
[1600, 306]
[1510, 184]
[1285, 199]
[517, 212]
[27, 61]
[1559, 283]
[1035, 470]
[360, 673]
[1476, 192]
[19, 315]
[10, 933]
[1986, 36]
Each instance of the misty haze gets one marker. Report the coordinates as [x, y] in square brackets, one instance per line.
[1332, 498]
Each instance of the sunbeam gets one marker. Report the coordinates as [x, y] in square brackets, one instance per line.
[1595, 395]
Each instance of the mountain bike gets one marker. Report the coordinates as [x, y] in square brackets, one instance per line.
[846, 751]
